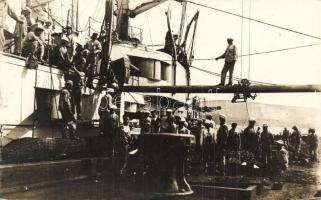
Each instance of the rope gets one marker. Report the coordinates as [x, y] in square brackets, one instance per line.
[95, 20]
[249, 67]
[149, 31]
[266, 52]
[234, 78]
[255, 20]
[241, 72]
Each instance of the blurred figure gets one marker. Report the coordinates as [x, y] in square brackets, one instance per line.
[47, 35]
[221, 138]
[164, 120]
[249, 142]
[181, 129]
[21, 30]
[104, 108]
[207, 144]
[266, 142]
[5, 9]
[282, 158]
[258, 131]
[233, 139]
[94, 48]
[285, 137]
[155, 122]
[313, 142]
[145, 123]
[124, 142]
[65, 108]
[171, 126]
[296, 140]
[78, 79]
[111, 126]
[33, 46]
[64, 62]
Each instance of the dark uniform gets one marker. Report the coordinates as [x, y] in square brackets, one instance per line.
[65, 108]
[103, 110]
[285, 137]
[313, 144]
[221, 139]
[266, 142]
[250, 139]
[233, 140]
[296, 140]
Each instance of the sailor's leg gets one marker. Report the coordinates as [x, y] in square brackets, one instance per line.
[2, 39]
[223, 73]
[231, 70]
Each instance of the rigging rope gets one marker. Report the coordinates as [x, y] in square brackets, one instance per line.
[255, 20]
[234, 78]
[149, 31]
[249, 66]
[241, 72]
[265, 52]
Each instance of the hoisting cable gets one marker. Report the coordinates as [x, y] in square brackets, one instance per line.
[255, 20]
[241, 72]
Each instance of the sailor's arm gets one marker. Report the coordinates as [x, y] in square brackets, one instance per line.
[222, 56]
[13, 15]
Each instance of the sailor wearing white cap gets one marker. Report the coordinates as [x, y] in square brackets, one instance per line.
[230, 56]
[250, 141]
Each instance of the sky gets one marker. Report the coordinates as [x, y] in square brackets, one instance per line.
[298, 66]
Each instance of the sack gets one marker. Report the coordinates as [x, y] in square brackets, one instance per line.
[32, 62]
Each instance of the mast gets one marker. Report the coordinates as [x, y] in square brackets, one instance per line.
[77, 14]
[106, 44]
[122, 19]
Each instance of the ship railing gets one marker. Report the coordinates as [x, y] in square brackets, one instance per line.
[135, 33]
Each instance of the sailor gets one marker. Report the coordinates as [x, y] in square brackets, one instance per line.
[221, 138]
[32, 45]
[155, 122]
[171, 127]
[124, 142]
[285, 136]
[266, 142]
[21, 30]
[111, 126]
[5, 9]
[104, 108]
[48, 32]
[207, 141]
[164, 120]
[296, 140]
[78, 79]
[282, 157]
[313, 142]
[73, 39]
[65, 108]
[233, 139]
[145, 122]
[210, 118]
[64, 57]
[250, 140]
[181, 129]
[258, 131]
[230, 56]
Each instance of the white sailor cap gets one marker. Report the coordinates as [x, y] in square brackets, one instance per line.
[169, 110]
[113, 107]
[252, 119]
[181, 109]
[222, 116]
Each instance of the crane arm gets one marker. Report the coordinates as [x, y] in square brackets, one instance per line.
[146, 6]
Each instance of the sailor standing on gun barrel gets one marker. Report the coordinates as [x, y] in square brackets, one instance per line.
[230, 56]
